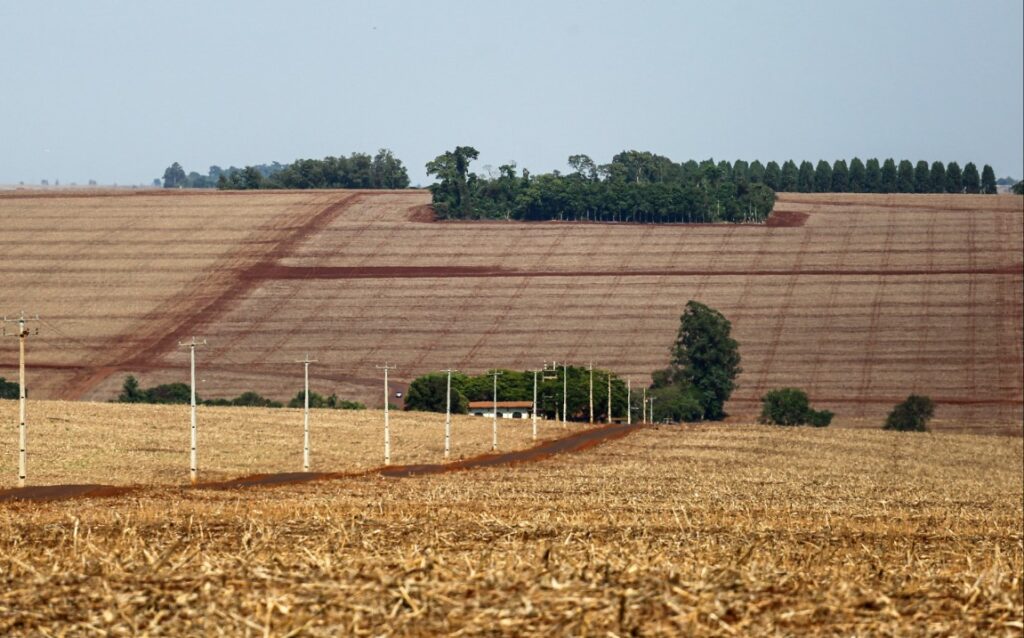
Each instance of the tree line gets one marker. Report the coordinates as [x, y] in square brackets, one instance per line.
[636, 186]
[358, 170]
[181, 393]
[873, 176]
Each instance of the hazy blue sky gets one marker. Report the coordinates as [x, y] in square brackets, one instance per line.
[116, 91]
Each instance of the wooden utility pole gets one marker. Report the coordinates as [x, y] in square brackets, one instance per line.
[22, 335]
[305, 417]
[494, 415]
[448, 415]
[387, 423]
[193, 471]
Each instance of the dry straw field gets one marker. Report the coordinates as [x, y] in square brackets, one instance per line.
[858, 299]
[711, 530]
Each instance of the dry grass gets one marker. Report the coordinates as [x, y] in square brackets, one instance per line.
[119, 444]
[727, 530]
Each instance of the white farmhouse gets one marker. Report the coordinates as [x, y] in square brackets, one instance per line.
[506, 409]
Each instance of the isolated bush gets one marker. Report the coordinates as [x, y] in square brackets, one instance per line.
[254, 399]
[677, 402]
[912, 415]
[8, 389]
[789, 406]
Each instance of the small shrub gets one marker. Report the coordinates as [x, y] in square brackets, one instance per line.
[789, 406]
[912, 415]
[8, 389]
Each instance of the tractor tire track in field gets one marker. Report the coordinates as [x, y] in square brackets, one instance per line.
[876, 313]
[205, 298]
[571, 444]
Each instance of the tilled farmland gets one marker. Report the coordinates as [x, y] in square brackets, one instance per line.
[858, 299]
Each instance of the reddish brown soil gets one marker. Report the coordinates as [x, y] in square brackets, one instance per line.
[574, 443]
[783, 218]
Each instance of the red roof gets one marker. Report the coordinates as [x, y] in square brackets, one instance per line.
[475, 405]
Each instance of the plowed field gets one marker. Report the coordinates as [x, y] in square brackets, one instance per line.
[859, 299]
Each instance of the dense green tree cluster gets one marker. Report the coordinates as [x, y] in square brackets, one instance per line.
[634, 187]
[427, 393]
[358, 170]
[789, 406]
[180, 393]
[873, 176]
[912, 415]
[703, 367]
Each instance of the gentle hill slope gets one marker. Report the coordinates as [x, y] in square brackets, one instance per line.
[859, 299]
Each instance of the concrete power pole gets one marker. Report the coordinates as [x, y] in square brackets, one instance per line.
[387, 423]
[305, 417]
[448, 415]
[22, 334]
[193, 471]
[494, 416]
[534, 404]
[565, 390]
[629, 401]
[609, 397]
[590, 368]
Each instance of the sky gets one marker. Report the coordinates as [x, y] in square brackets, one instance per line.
[114, 91]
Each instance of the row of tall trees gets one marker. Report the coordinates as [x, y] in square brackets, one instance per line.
[358, 170]
[636, 186]
[871, 176]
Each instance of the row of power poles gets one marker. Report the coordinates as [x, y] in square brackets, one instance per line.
[548, 372]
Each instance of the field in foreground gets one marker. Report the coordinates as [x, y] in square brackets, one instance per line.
[865, 300]
[122, 444]
[724, 530]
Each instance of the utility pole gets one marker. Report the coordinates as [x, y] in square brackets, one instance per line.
[193, 462]
[565, 389]
[629, 401]
[609, 397]
[534, 405]
[448, 415]
[22, 334]
[305, 417]
[387, 423]
[494, 415]
[590, 367]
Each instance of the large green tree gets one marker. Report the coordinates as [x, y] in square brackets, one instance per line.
[873, 176]
[705, 357]
[805, 180]
[840, 177]
[823, 177]
[857, 176]
[937, 178]
[773, 176]
[954, 178]
[174, 176]
[970, 179]
[922, 177]
[789, 181]
[452, 169]
[890, 177]
[905, 177]
[428, 393]
[988, 180]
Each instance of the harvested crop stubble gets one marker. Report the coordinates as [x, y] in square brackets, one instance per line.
[124, 444]
[728, 530]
